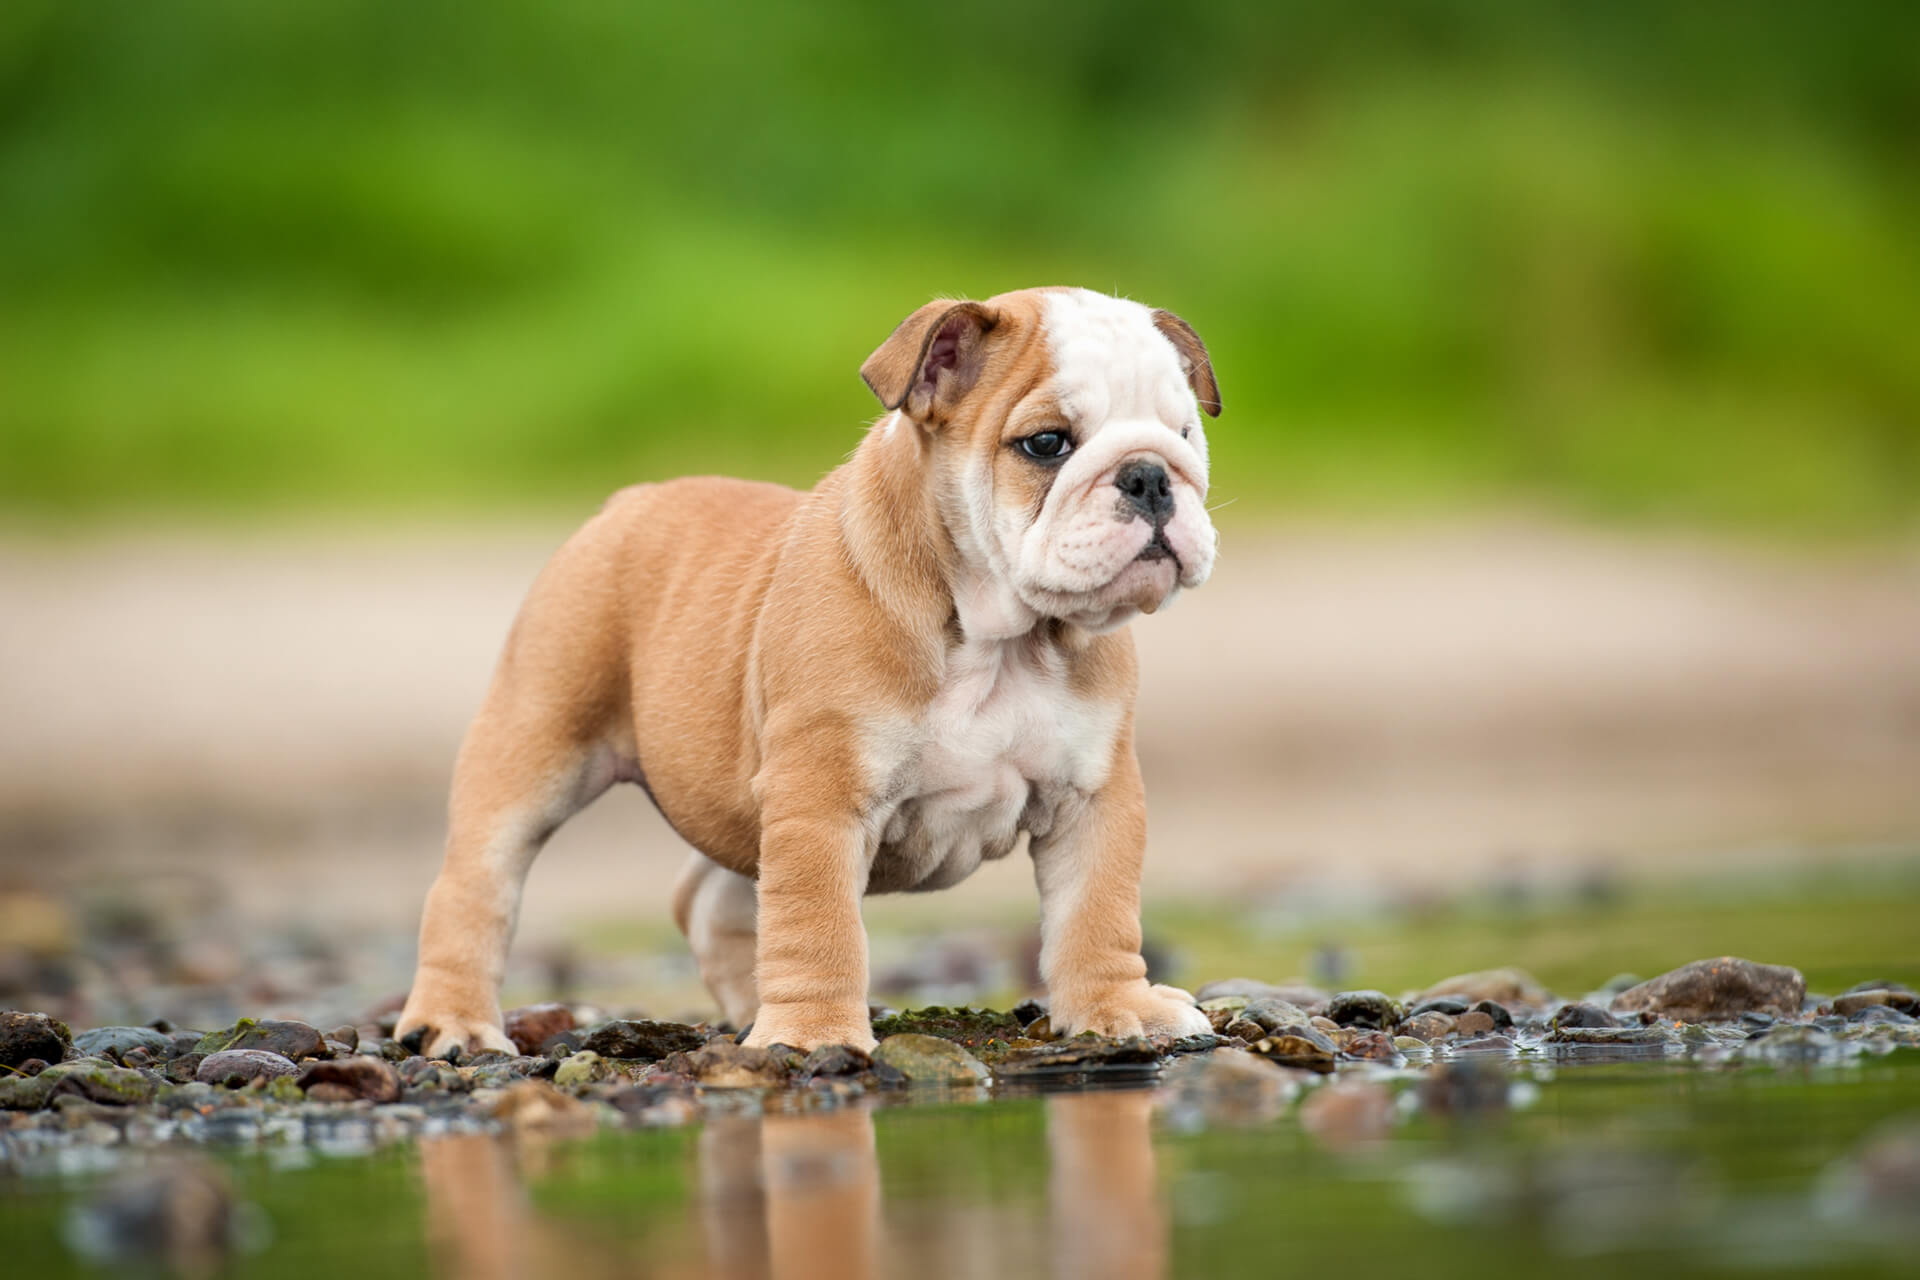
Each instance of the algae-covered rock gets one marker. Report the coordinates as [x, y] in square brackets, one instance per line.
[93, 1079]
[969, 1027]
[1373, 1009]
[1306, 1047]
[1717, 990]
[927, 1059]
[642, 1040]
[583, 1068]
[24, 1036]
[235, 1067]
[1080, 1053]
[292, 1040]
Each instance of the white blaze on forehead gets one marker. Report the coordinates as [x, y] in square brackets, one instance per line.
[1112, 363]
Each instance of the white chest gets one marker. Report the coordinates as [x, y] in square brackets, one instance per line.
[1003, 749]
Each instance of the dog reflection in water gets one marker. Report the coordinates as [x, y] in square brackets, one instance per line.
[792, 1197]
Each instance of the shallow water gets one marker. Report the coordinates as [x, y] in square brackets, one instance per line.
[1586, 1170]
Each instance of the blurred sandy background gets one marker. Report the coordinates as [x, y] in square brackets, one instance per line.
[1572, 443]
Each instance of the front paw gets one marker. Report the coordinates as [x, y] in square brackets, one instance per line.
[1131, 1009]
[435, 1027]
[808, 1026]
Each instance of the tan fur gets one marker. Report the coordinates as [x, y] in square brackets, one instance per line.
[741, 649]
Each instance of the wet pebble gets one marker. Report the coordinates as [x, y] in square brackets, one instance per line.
[722, 1064]
[1501, 1015]
[1429, 1026]
[583, 1068]
[1631, 1038]
[346, 1079]
[235, 1067]
[1364, 1009]
[1882, 1013]
[531, 1026]
[1854, 1002]
[835, 1060]
[1368, 1045]
[1474, 1022]
[1271, 1012]
[1305, 1047]
[294, 1040]
[1080, 1053]
[1582, 1015]
[925, 1059]
[1450, 1005]
[1717, 990]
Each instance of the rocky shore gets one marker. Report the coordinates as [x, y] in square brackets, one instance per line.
[355, 1086]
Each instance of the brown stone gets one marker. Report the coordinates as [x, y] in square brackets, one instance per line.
[531, 1026]
[1474, 1023]
[1502, 986]
[1717, 990]
[361, 1076]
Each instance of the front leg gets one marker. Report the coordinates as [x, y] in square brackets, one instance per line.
[811, 961]
[1088, 871]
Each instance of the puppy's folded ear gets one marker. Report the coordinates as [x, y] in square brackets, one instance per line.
[932, 359]
[1193, 359]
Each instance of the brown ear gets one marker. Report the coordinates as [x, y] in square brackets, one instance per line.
[931, 359]
[1193, 359]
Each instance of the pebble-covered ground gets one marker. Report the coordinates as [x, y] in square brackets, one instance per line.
[355, 1087]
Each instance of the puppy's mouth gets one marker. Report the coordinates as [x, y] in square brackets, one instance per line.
[1158, 548]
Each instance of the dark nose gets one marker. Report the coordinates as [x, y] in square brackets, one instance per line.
[1146, 489]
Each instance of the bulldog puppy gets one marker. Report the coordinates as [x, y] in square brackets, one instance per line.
[868, 688]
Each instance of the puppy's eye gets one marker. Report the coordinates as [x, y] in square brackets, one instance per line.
[1047, 446]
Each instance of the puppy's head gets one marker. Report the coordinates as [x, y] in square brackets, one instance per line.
[1061, 430]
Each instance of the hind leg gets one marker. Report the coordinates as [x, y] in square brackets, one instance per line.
[716, 909]
[518, 778]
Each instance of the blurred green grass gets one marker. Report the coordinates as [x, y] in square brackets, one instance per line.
[1629, 262]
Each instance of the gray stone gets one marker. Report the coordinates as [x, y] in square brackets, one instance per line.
[1080, 1053]
[1272, 1013]
[1582, 1015]
[114, 1042]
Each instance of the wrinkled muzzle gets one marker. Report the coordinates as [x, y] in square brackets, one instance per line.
[1123, 527]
